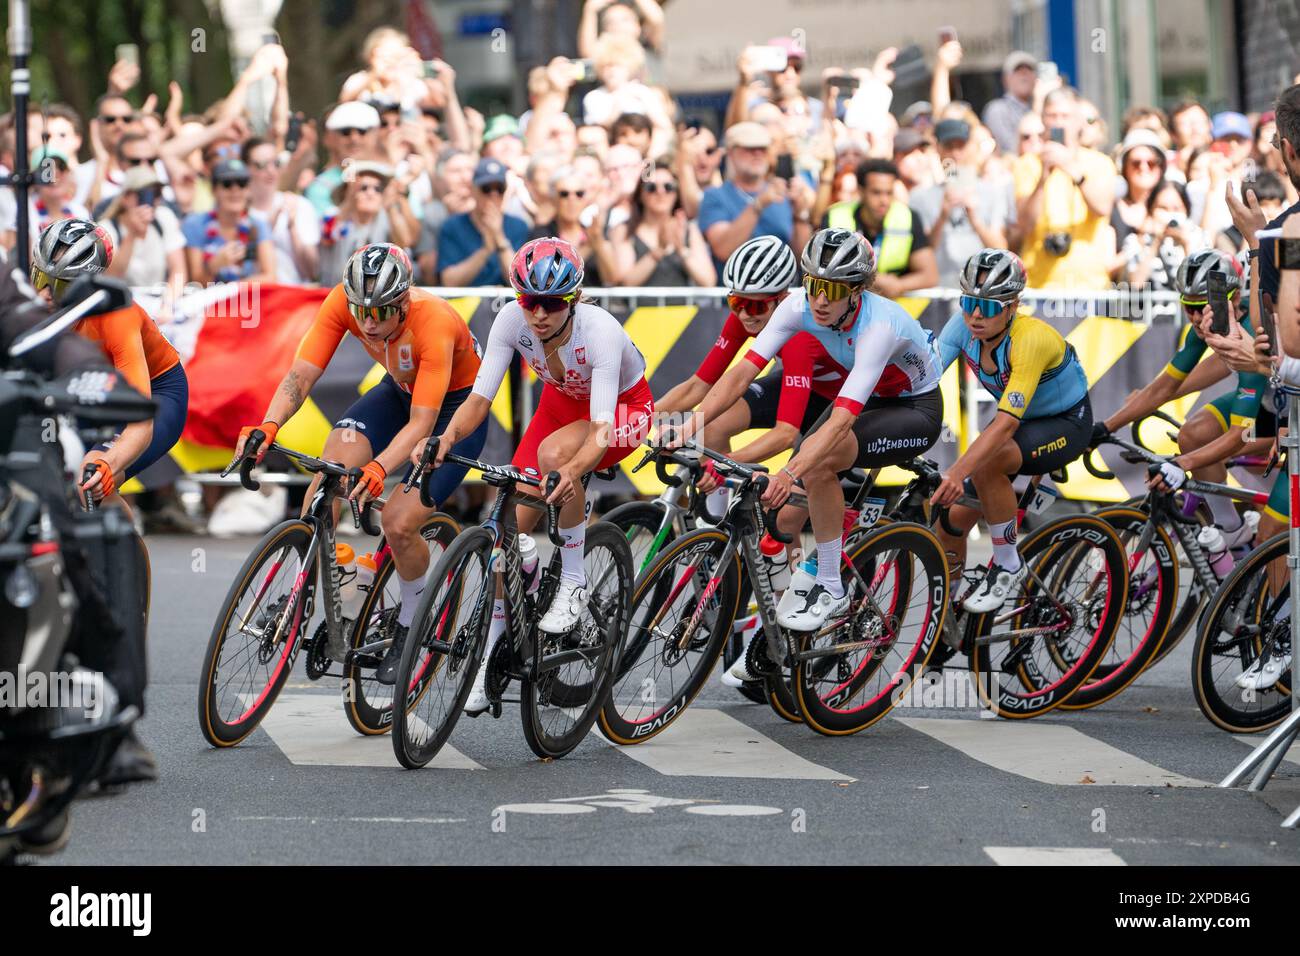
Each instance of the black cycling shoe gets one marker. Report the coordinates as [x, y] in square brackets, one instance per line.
[132, 762]
[386, 672]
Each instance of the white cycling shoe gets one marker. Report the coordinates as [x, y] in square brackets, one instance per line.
[566, 608]
[994, 588]
[816, 608]
[1265, 672]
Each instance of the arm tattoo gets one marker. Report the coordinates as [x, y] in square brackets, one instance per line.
[292, 387]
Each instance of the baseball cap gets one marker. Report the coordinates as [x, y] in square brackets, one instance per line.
[489, 171]
[353, 115]
[1230, 124]
[230, 169]
[951, 130]
[142, 177]
[915, 111]
[500, 125]
[1018, 58]
[1141, 137]
[749, 135]
[906, 140]
[793, 48]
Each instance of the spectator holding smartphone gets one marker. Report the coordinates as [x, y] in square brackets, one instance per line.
[148, 246]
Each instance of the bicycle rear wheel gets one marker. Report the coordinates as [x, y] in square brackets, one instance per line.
[1148, 609]
[443, 648]
[564, 688]
[368, 703]
[642, 523]
[1192, 597]
[681, 614]
[1249, 617]
[1072, 599]
[257, 634]
[875, 653]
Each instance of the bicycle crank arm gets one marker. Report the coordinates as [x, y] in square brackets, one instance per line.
[550, 662]
[836, 649]
[1017, 635]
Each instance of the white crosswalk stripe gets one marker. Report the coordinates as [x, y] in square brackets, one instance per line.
[1047, 752]
[311, 731]
[1052, 856]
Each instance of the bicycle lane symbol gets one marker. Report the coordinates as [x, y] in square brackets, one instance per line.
[635, 801]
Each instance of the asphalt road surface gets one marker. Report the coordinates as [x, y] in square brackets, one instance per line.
[1130, 783]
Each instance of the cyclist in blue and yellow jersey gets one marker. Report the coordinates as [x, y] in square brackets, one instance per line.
[1043, 421]
[1216, 431]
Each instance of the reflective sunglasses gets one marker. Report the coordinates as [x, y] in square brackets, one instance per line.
[42, 280]
[1198, 305]
[750, 305]
[380, 313]
[547, 303]
[654, 187]
[834, 291]
[989, 308]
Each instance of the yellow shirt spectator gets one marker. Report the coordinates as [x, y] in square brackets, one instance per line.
[1064, 210]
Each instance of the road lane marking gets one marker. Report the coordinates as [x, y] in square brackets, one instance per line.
[709, 743]
[311, 731]
[421, 820]
[1053, 856]
[1048, 753]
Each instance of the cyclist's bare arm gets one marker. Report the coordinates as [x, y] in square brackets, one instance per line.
[722, 396]
[468, 417]
[1212, 369]
[683, 396]
[770, 443]
[1221, 449]
[288, 398]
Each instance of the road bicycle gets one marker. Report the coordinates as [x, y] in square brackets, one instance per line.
[563, 678]
[261, 627]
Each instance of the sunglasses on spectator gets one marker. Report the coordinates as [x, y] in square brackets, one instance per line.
[148, 196]
[231, 184]
[369, 188]
[547, 303]
[140, 161]
[575, 193]
[380, 313]
[989, 308]
[750, 305]
[351, 131]
[498, 188]
[1143, 164]
[654, 187]
[834, 291]
[118, 118]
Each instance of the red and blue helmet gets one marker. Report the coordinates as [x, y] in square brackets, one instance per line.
[547, 266]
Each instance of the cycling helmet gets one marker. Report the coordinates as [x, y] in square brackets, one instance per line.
[1193, 273]
[69, 248]
[390, 268]
[546, 266]
[838, 255]
[1003, 275]
[761, 266]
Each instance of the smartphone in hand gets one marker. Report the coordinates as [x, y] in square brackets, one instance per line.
[1057, 134]
[1268, 324]
[1218, 300]
[784, 167]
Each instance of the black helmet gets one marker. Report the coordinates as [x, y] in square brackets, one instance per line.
[69, 248]
[1003, 274]
[1193, 275]
[387, 265]
[838, 255]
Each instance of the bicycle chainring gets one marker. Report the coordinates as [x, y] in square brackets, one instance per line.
[318, 659]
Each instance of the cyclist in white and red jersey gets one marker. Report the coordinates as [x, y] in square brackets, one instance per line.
[889, 408]
[594, 411]
[784, 403]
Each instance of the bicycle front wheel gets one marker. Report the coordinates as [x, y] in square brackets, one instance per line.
[1249, 619]
[566, 685]
[642, 522]
[1029, 659]
[443, 647]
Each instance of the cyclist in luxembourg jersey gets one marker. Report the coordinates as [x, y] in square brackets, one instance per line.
[594, 411]
[430, 359]
[1214, 432]
[888, 408]
[70, 248]
[1043, 421]
[784, 403]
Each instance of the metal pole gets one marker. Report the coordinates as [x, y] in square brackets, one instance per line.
[20, 45]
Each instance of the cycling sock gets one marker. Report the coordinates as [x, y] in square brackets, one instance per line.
[828, 566]
[498, 624]
[575, 543]
[1225, 515]
[1005, 554]
[716, 502]
[410, 592]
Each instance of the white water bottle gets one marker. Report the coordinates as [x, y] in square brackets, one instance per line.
[776, 564]
[528, 558]
[1211, 541]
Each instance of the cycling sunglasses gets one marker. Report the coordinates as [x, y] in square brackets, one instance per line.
[380, 313]
[834, 291]
[1197, 305]
[548, 303]
[989, 308]
[42, 280]
[750, 305]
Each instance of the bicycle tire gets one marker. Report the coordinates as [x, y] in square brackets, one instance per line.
[367, 703]
[536, 700]
[1038, 694]
[218, 730]
[1247, 583]
[1158, 567]
[656, 593]
[418, 738]
[1192, 598]
[835, 706]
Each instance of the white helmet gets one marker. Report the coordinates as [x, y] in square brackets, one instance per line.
[761, 266]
